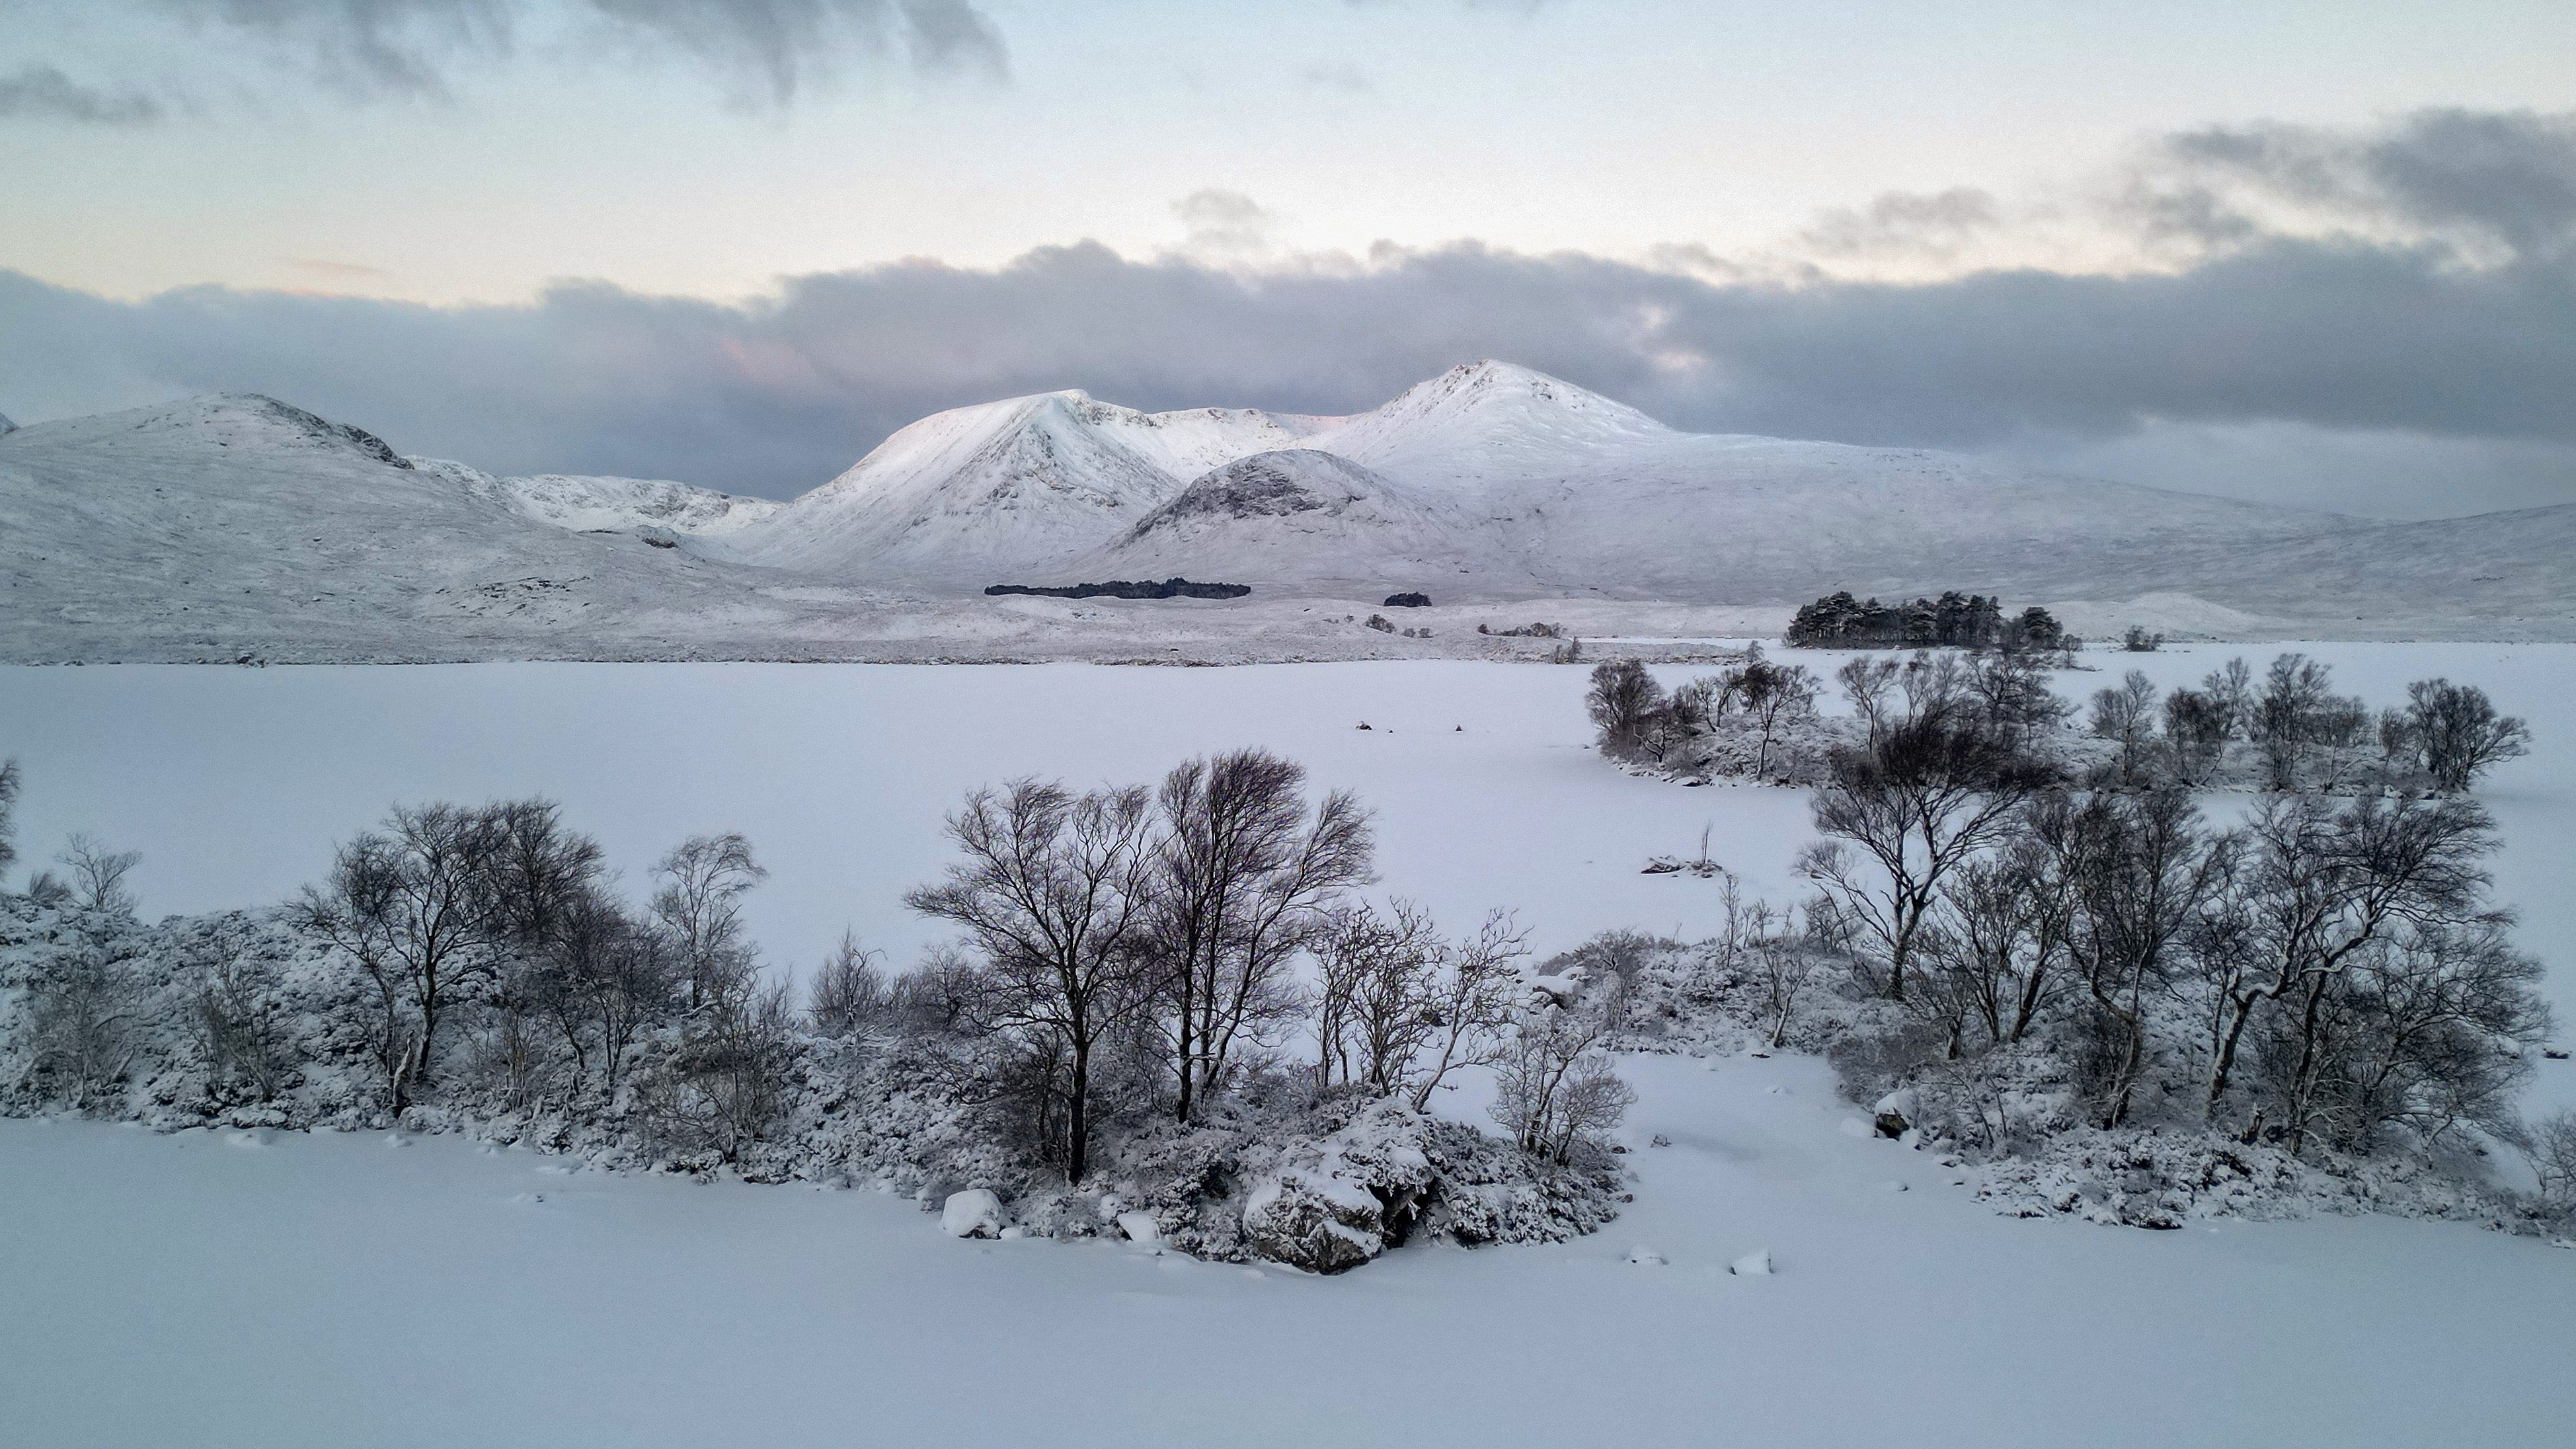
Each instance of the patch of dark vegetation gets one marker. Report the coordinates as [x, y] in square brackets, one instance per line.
[1953, 621]
[1408, 601]
[1175, 588]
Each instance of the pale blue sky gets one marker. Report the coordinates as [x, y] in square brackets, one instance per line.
[1607, 126]
[2317, 252]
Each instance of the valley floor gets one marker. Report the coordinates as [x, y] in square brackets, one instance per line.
[336, 1290]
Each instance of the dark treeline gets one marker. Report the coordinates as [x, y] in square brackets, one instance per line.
[1952, 621]
[2284, 729]
[1173, 588]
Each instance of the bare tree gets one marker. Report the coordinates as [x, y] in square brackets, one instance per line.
[97, 875]
[2550, 1146]
[235, 1024]
[2459, 733]
[1473, 1003]
[604, 978]
[1774, 696]
[2196, 728]
[10, 784]
[2322, 884]
[1623, 699]
[1931, 794]
[1376, 1006]
[2126, 716]
[1554, 1084]
[2288, 716]
[2140, 871]
[2429, 1031]
[699, 902]
[2230, 691]
[1244, 878]
[849, 993]
[1054, 891]
[406, 906]
[1867, 683]
[726, 1085]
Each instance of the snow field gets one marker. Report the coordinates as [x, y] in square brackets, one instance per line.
[324, 1290]
[231, 1288]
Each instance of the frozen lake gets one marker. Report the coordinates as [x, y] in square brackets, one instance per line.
[236, 782]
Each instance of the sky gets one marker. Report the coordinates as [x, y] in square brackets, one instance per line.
[2322, 254]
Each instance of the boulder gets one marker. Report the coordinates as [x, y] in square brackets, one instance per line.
[974, 1213]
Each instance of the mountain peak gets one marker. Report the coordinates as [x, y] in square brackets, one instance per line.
[1492, 413]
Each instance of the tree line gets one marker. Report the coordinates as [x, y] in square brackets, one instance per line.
[1123, 955]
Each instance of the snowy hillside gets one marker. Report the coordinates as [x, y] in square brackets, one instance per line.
[607, 504]
[237, 525]
[1299, 516]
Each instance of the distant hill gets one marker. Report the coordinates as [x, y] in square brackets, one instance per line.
[237, 524]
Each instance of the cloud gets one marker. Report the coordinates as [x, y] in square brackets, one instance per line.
[41, 92]
[1225, 223]
[1905, 224]
[2493, 185]
[2447, 364]
[764, 53]
[950, 35]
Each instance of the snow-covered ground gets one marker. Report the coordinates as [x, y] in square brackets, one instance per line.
[332, 1290]
[212, 1290]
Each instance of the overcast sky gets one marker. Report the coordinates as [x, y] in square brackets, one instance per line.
[2323, 253]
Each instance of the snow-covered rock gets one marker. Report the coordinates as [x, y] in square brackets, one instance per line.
[1562, 989]
[1140, 1227]
[1756, 1264]
[1357, 1194]
[974, 1213]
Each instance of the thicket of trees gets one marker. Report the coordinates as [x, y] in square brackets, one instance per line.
[1952, 621]
[1124, 954]
[1137, 951]
[2330, 972]
[2285, 729]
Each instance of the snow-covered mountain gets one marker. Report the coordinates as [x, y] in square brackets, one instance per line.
[239, 524]
[986, 494]
[1298, 513]
[1492, 478]
[236, 524]
[595, 504]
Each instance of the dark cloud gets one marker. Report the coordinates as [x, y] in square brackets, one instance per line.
[763, 52]
[2504, 182]
[2341, 334]
[1905, 224]
[950, 35]
[43, 93]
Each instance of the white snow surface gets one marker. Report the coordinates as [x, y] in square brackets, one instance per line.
[190, 1290]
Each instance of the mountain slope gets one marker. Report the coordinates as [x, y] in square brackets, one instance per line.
[599, 504]
[998, 492]
[1297, 516]
[235, 524]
